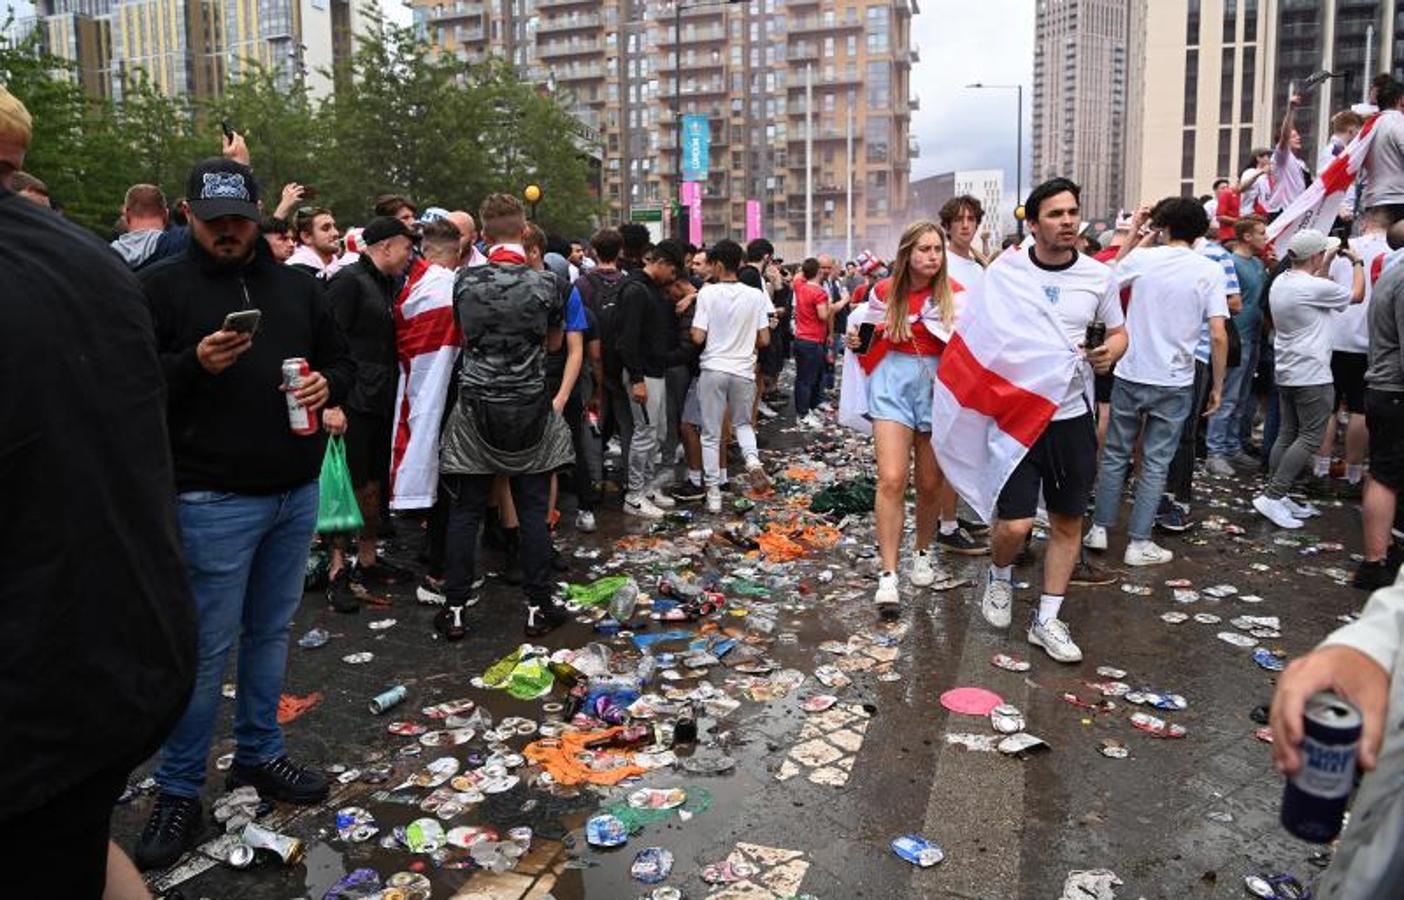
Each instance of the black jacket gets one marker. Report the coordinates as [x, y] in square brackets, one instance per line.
[97, 651]
[647, 329]
[230, 432]
[362, 301]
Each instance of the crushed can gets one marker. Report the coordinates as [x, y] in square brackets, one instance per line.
[917, 850]
[652, 865]
[289, 849]
[1314, 800]
[301, 420]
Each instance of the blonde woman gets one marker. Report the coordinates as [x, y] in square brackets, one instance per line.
[911, 313]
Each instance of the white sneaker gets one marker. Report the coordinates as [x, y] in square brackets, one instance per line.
[585, 521]
[1146, 553]
[825, 407]
[1300, 510]
[612, 448]
[887, 598]
[755, 474]
[713, 499]
[1276, 512]
[765, 411]
[1054, 638]
[1041, 518]
[1218, 465]
[1096, 538]
[997, 606]
[923, 572]
[641, 506]
[661, 500]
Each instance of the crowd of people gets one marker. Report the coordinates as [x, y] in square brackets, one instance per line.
[476, 367]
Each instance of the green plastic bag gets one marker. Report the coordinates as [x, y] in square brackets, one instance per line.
[336, 506]
[596, 592]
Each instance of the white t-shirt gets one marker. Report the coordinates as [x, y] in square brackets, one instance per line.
[731, 313]
[1384, 166]
[1082, 292]
[1288, 178]
[965, 271]
[1258, 193]
[1174, 291]
[1302, 307]
[1350, 328]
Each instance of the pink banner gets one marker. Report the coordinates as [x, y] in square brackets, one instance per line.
[753, 220]
[690, 195]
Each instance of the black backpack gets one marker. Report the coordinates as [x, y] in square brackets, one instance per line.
[604, 300]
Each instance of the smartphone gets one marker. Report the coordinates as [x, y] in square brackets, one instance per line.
[865, 337]
[308, 192]
[244, 321]
[227, 129]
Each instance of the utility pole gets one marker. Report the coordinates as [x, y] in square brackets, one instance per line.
[808, 160]
[848, 201]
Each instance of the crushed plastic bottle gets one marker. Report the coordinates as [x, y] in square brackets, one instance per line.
[623, 601]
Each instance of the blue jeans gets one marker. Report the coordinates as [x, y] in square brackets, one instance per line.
[809, 375]
[1164, 409]
[1224, 435]
[247, 559]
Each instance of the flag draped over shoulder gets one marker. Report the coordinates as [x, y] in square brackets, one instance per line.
[428, 341]
[1318, 205]
[1005, 370]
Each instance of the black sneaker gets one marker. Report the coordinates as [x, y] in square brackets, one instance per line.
[174, 827]
[340, 597]
[960, 541]
[975, 529]
[383, 572]
[558, 561]
[1088, 574]
[449, 623]
[511, 570]
[543, 618]
[1174, 519]
[1371, 576]
[281, 779]
[687, 492]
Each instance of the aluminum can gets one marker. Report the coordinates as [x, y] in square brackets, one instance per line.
[1314, 800]
[1096, 335]
[300, 418]
[393, 697]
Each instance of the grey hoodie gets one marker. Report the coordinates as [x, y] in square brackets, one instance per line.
[141, 248]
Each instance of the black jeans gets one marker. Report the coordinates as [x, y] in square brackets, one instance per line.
[468, 496]
[585, 496]
[1180, 481]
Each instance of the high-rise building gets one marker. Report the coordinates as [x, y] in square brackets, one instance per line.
[747, 69]
[1209, 81]
[79, 31]
[986, 185]
[1079, 100]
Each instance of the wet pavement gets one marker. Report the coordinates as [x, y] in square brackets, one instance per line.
[815, 797]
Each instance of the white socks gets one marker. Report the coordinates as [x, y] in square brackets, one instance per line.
[1001, 573]
[1048, 606]
[694, 476]
[949, 527]
[1321, 466]
[1354, 473]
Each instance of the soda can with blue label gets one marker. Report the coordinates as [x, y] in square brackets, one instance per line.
[1314, 800]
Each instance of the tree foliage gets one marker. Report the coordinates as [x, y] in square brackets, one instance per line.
[402, 120]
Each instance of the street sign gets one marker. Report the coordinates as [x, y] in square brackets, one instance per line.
[697, 140]
[646, 215]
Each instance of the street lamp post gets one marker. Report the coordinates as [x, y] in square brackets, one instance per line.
[1018, 146]
[532, 194]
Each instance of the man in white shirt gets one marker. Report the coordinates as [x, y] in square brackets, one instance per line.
[731, 322]
[961, 217]
[1174, 291]
[1302, 300]
[1289, 172]
[1061, 464]
[1383, 169]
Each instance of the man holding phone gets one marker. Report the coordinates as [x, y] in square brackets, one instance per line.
[246, 485]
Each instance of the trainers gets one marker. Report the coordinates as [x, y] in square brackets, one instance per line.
[511, 572]
[1041, 518]
[382, 572]
[174, 827]
[1096, 538]
[974, 529]
[961, 542]
[1146, 553]
[585, 521]
[1054, 638]
[340, 597]
[825, 407]
[1174, 519]
[755, 473]
[1088, 574]
[923, 573]
[1300, 510]
[1371, 576]
[559, 563]
[543, 618]
[997, 605]
[687, 492]
[449, 623]
[1275, 512]
[431, 591]
[812, 420]
[281, 779]
[766, 412]
[887, 598]
[714, 500]
[641, 506]
[1243, 461]
[1218, 465]
[661, 500]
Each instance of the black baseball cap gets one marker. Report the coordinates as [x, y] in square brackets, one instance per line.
[220, 187]
[384, 227]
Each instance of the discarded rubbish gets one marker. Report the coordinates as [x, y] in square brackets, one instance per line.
[1113, 749]
[381, 624]
[355, 824]
[314, 638]
[1158, 700]
[289, 849]
[424, 835]
[1207, 618]
[1009, 663]
[970, 701]
[1111, 672]
[917, 850]
[818, 703]
[1238, 640]
[606, 831]
[358, 659]
[728, 871]
[1020, 744]
[652, 865]
[406, 729]
[657, 798]
[1269, 660]
[240, 856]
[1139, 590]
[1156, 727]
[1092, 884]
[1276, 887]
[383, 701]
[1006, 719]
[1174, 618]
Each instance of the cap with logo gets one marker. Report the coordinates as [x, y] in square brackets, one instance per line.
[221, 187]
[385, 227]
[1308, 242]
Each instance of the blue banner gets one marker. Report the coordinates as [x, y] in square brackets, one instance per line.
[697, 146]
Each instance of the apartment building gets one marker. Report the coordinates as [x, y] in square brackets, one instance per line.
[986, 185]
[1209, 81]
[630, 70]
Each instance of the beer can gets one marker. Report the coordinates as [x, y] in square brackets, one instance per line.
[1314, 800]
[383, 701]
[300, 418]
[1096, 335]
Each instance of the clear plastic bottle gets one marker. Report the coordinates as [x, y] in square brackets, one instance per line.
[621, 605]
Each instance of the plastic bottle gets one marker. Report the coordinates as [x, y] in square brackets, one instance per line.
[621, 605]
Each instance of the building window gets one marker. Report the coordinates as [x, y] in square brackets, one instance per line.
[1245, 94]
[1250, 20]
[1226, 87]
[877, 135]
[877, 29]
[1191, 86]
[1192, 24]
[1225, 167]
[1187, 156]
[1245, 147]
[1230, 20]
[879, 85]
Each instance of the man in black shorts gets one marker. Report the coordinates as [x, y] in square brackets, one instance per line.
[1384, 414]
[1062, 463]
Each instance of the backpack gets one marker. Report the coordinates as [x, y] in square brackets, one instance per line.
[604, 300]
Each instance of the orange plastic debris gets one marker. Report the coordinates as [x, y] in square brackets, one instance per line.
[569, 762]
[291, 707]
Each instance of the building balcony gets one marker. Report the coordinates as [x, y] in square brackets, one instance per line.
[825, 134]
[563, 4]
[916, 53]
[561, 50]
[693, 63]
[820, 79]
[706, 89]
[457, 11]
[474, 35]
[692, 35]
[802, 25]
[801, 52]
[574, 22]
[913, 149]
[906, 7]
[580, 73]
